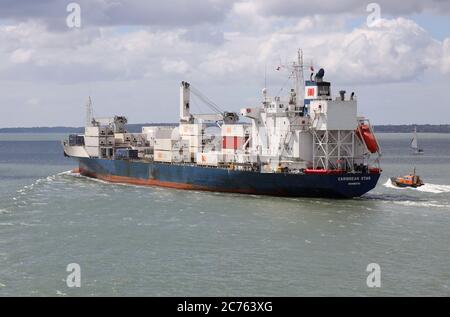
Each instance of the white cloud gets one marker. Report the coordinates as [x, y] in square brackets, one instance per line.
[33, 101]
[224, 43]
[393, 50]
[20, 56]
[306, 7]
[168, 13]
[175, 66]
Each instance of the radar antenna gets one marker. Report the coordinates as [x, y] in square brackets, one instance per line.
[296, 73]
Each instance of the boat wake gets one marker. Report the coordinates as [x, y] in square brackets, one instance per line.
[389, 184]
[70, 173]
[96, 180]
[78, 175]
[434, 188]
[428, 204]
[427, 188]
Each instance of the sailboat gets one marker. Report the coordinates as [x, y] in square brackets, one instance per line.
[415, 143]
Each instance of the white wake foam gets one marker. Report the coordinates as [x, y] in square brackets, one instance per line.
[434, 188]
[427, 188]
[424, 204]
[70, 173]
[389, 184]
[97, 180]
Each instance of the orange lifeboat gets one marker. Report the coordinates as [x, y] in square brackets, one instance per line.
[364, 133]
[411, 180]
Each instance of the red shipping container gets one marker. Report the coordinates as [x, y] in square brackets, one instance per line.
[232, 142]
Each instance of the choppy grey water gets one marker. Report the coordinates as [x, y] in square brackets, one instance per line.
[132, 240]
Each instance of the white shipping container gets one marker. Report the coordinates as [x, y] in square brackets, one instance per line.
[194, 140]
[138, 138]
[149, 136]
[195, 149]
[91, 141]
[93, 151]
[184, 144]
[119, 138]
[162, 156]
[160, 132]
[176, 157]
[235, 130]
[187, 157]
[95, 140]
[131, 137]
[192, 129]
[163, 133]
[164, 144]
[98, 131]
[92, 131]
[149, 130]
[171, 156]
[180, 145]
[209, 159]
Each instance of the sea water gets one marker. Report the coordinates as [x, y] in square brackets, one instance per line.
[130, 240]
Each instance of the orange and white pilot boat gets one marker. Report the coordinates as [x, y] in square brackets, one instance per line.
[411, 180]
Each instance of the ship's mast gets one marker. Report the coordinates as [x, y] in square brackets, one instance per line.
[299, 80]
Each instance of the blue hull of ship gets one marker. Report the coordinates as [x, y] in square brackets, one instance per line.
[181, 176]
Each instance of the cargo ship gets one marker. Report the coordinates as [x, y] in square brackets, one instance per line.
[305, 144]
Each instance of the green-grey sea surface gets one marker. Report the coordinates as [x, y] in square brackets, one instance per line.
[150, 241]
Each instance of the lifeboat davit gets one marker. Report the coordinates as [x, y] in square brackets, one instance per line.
[366, 134]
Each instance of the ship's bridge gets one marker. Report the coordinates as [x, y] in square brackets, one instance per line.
[277, 106]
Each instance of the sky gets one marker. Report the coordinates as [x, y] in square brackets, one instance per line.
[131, 55]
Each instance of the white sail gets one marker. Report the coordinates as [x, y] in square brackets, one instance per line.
[414, 142]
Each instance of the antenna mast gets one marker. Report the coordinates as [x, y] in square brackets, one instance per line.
[299, 80]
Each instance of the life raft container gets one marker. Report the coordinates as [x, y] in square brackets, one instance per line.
[364, 133]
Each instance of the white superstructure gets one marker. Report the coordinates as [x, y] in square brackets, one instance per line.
[306, 130]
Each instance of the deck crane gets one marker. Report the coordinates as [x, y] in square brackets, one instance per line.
[187, 117]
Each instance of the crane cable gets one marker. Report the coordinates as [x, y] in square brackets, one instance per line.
[213, 106]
